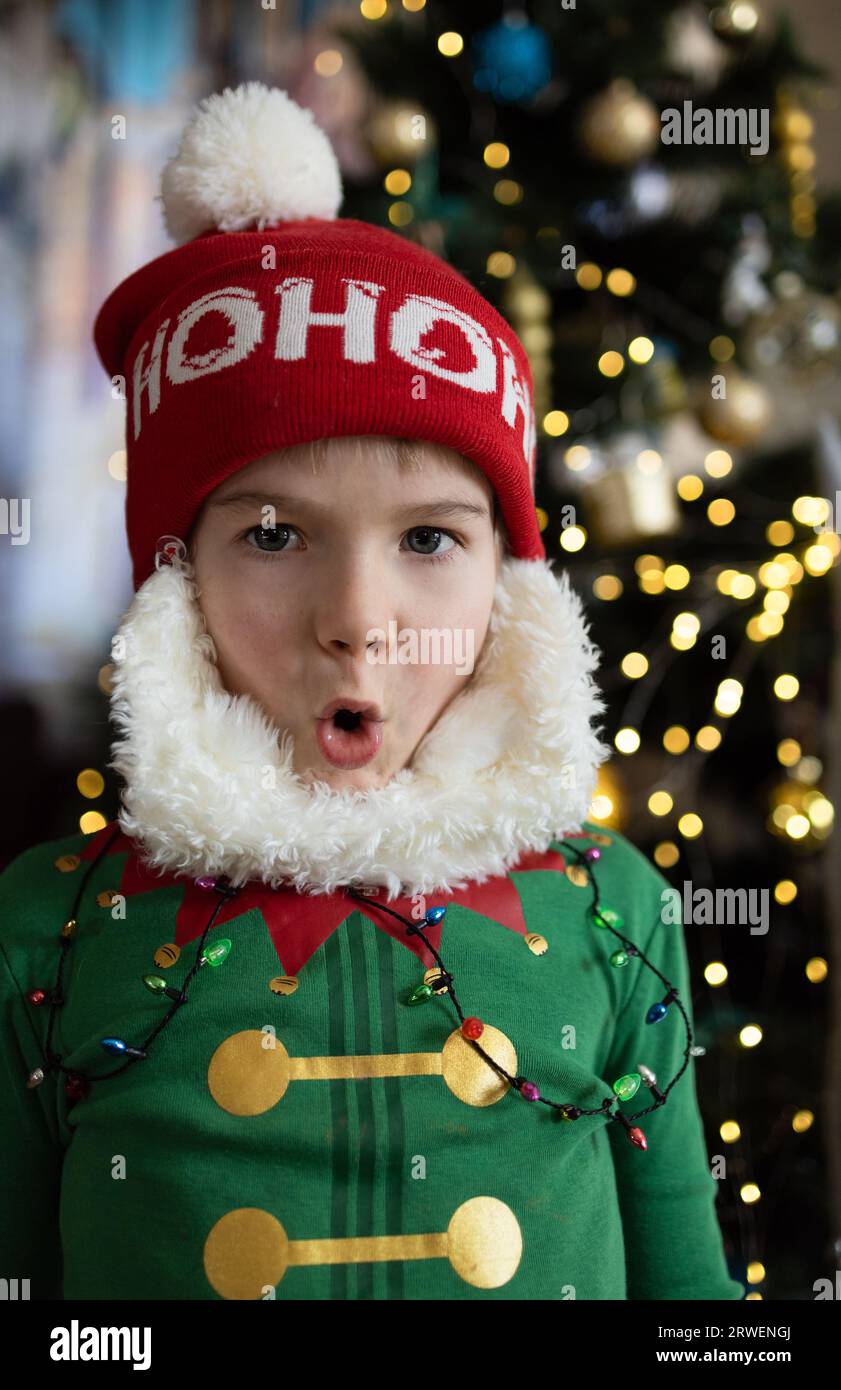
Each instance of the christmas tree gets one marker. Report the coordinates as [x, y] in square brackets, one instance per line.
[633, 186]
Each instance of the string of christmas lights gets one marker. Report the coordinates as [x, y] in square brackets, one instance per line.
[77, 1084]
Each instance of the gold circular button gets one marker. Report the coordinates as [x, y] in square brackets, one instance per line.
[245, 1252]
[248, 1072]
[484, 1242]
[430, 976]
[283, 984]
[466, 1072]
[167, 955]
[67, 863]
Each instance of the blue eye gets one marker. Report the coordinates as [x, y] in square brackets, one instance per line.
[269, 540]
[430, 536]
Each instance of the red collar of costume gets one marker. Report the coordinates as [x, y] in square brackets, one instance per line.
[299, 923]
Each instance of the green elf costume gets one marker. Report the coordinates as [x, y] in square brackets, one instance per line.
[268, 1040]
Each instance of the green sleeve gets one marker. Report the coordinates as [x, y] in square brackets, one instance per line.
[673, 1243]
[30, 1151]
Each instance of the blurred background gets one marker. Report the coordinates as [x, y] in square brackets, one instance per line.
[681, 307]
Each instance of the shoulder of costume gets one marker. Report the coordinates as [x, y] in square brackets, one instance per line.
[40, 881]
[623, 869]
[28, 867]
[614, 846]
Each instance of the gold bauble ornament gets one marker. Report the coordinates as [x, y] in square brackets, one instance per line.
[619, 126]
[743, 413]
[398, 134]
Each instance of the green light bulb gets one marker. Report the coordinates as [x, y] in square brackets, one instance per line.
[627, 1086]
[217, 953]
[420, 994]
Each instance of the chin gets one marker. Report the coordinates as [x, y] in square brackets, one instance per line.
[361, 779]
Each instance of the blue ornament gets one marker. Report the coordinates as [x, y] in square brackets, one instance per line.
[607, 216]
[113, 1045]
[655, 1013]
[512, 60]
[434, 914]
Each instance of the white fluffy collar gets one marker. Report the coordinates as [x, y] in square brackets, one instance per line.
[209, 789]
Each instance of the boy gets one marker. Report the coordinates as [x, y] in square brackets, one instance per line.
[425, 1055]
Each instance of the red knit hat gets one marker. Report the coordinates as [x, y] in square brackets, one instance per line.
[306, 326]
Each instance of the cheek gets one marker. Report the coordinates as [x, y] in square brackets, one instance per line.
[466, 611]
[434, 683]
[251, 626]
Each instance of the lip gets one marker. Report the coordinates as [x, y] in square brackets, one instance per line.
[366, 708]
[350, 748]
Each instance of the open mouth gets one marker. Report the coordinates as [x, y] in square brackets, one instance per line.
[349, 735]
[347, 719]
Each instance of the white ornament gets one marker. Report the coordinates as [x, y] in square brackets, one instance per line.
[744, 292]
[691, 47]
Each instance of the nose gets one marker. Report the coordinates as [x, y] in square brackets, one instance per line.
[354, 648]
[354, 607]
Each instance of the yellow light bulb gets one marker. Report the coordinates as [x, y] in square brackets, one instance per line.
[496, 155]
[611, 363]
[450, 44]
[620, 282]
[556, 422]
[715, 973]
[816, 970]
[641, 349]
[627, 740]
[634, 665]
[588, 275]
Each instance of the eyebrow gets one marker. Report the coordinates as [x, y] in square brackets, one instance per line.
[441, 506]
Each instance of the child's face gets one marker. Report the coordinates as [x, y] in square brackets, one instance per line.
[291, 609]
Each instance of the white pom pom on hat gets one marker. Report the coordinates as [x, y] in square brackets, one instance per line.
[250, 156]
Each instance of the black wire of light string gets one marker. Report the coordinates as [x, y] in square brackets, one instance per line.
[444, 984]
[412, 928]
[53, 1060]
[634, 950]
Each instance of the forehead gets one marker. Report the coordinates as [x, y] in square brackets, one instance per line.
[379, 459]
